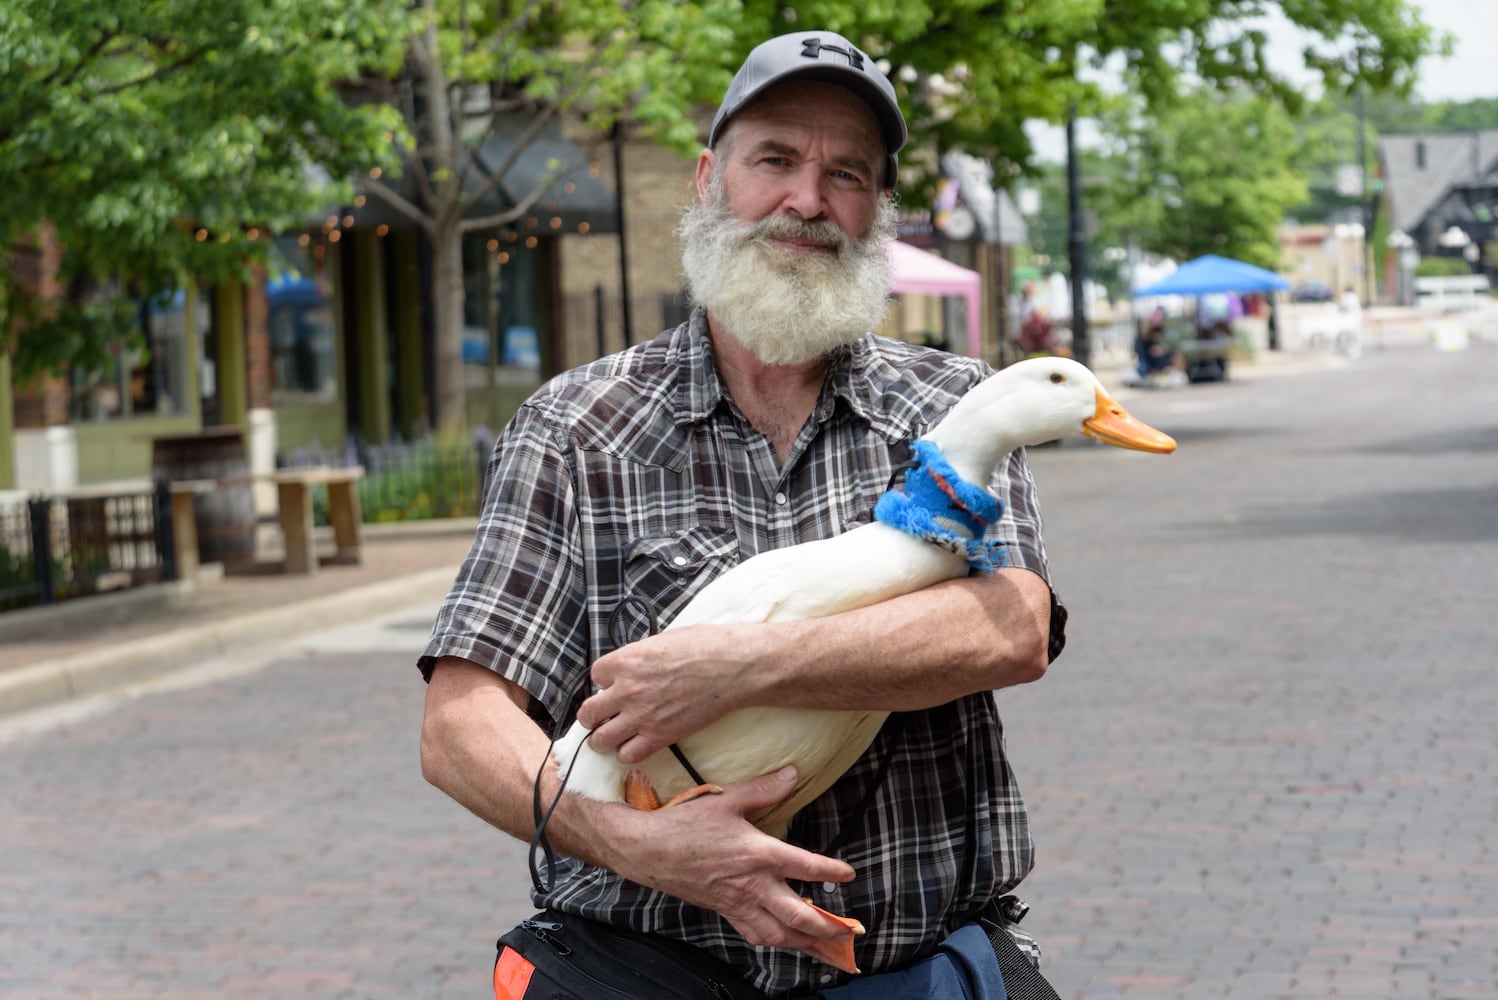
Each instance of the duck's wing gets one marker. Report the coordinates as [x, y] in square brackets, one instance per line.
[815, 579]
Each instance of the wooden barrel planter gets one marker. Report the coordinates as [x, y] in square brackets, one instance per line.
[225, 515]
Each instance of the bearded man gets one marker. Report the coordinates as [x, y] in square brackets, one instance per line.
[773, 416]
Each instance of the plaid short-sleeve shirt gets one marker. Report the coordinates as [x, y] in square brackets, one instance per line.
[637, 477]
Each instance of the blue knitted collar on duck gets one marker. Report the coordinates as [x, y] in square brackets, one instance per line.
[939, 506]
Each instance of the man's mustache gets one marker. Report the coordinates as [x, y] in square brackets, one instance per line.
[781, 227]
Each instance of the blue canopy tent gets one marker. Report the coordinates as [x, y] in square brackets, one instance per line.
[1207, 356]
[1209, 274]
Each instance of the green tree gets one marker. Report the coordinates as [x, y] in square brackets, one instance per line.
[972, 72]
[471, 68]
[1210, 172]
[163, 141]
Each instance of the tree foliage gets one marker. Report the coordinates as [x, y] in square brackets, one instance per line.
[162, 140]
[972, 72]
[1211, 172]
[158, 137]
[470, 68]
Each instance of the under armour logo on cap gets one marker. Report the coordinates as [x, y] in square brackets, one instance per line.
[813, 48]
[817, 55]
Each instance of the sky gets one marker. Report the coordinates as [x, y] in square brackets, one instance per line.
[1466, 74]
[1471, 70]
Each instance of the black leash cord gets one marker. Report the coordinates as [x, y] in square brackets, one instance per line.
[538, 839]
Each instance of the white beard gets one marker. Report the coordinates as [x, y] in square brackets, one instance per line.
[786, 308]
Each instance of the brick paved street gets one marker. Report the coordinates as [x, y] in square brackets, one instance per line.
[1262, 769]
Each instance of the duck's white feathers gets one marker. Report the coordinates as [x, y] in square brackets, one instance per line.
[869, 564]
[1023, 404]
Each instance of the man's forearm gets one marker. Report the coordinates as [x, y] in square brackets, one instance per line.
[911, 652]
[480, 747]
[915, 651]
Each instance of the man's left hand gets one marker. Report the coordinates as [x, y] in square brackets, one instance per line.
[665, 687]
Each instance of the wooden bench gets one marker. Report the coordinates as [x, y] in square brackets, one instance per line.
[185, 523]
[294, 489]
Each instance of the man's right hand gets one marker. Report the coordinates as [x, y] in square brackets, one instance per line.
[707, 853]
[479, 746]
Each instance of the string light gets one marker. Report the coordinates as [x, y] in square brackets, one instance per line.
[359, 200]
[334, 236]
[556, 222]
[531, 242]
[583, 228]
[382, 230]
[504, 257]
[201, 234]
[348, 222]
[492, 245]
[375, 173]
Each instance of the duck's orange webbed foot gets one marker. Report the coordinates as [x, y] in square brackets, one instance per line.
[837, 952]
[641, 794]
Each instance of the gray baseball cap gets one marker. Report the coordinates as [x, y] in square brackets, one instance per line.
[817, 55]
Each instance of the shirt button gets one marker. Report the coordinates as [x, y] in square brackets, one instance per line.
[826, 978]
[829, 887]
[780, 499]
[679, 561]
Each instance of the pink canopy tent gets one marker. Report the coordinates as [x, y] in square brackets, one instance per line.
[920, 273]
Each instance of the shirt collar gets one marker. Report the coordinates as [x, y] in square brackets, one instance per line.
[858, 370]
[698, 388]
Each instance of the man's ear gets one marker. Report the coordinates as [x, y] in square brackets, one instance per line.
[705, 163]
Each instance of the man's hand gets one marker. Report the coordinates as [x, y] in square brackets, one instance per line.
[665, 687]
[707, 853]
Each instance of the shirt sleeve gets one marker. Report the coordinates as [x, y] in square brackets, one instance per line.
[1022, 530]
[518, 604]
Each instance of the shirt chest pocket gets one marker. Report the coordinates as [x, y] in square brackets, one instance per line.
[662, 574]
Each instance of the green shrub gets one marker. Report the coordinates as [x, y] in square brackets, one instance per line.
[1442, 267]
[414, 483]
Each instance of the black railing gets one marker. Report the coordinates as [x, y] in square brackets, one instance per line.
[59, 548]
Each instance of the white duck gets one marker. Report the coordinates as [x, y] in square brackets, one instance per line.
[1028, 403]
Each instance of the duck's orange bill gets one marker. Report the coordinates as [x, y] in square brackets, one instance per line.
[1111, 424]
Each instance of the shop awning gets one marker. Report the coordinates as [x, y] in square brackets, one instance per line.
[917, 272]
[577, 196]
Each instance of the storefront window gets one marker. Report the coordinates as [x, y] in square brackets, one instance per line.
[517, 299]
[302, 329]
[152, 383]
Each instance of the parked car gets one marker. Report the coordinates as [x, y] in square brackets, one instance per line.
[1312, 291]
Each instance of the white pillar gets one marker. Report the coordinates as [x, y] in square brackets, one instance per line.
[262, 453]
[47, 459]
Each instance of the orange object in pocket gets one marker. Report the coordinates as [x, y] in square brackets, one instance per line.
[512, 975]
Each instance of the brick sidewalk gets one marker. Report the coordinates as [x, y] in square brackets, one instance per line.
[78, 627]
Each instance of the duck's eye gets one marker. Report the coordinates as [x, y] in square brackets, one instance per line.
[1057, 377]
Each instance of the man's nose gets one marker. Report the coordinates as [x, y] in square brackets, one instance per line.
[805, 195]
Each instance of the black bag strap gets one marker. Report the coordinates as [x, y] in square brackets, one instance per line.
[1022, 980]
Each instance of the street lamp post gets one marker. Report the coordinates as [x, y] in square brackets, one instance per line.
[1365, 203]
[1081, 348]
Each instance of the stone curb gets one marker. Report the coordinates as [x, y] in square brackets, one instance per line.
[109, 668]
